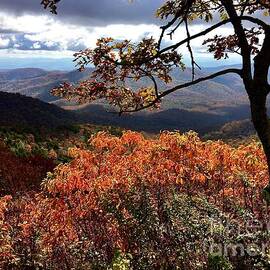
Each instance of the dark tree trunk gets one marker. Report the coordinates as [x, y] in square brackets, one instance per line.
[256, 84]
[261, 123]
[258, 96]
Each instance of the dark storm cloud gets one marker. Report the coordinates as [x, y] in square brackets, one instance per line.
[91, 12]
[8, 31]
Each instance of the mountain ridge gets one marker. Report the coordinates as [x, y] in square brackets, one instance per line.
[204, 107]
[205, 94]
[19, 110]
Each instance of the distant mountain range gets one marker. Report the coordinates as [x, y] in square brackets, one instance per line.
[36, 83]
[40, 62]
[204, 107]
[224, 91]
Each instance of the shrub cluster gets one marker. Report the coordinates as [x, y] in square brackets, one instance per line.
[135, 203]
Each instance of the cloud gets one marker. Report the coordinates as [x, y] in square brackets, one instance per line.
[4, 42]
[14, 53]
[52, 34]
[8, 31]
[36, 45]
[29, 32]
[88, 12]
[24, 23]
[26, 30]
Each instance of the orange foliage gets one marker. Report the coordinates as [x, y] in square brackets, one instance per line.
[5, 240]
[79, 201]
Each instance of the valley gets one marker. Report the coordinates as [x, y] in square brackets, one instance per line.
[204, 108]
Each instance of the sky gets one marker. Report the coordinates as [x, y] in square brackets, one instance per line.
[30, 35]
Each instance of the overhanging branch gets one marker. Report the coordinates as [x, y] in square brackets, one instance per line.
[212, 28]
[185, 85]
[175, 46]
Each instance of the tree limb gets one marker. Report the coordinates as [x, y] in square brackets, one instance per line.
[243, 42]
[185, 85]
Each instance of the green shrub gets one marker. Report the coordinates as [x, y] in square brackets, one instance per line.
[218, 262]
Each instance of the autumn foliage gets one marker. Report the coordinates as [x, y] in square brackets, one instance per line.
[181, 161]
[19, 174]
[133, 201]
[117, 63]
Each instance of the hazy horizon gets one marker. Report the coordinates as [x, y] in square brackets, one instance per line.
[67, 64]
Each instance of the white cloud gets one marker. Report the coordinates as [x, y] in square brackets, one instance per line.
[4, 42]
[50, 43]
[49, 31]
[47, 36]
[25, 23]
[73, 35]
[36, 45]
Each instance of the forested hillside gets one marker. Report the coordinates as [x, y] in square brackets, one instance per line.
[16, 109]
[19, 110]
